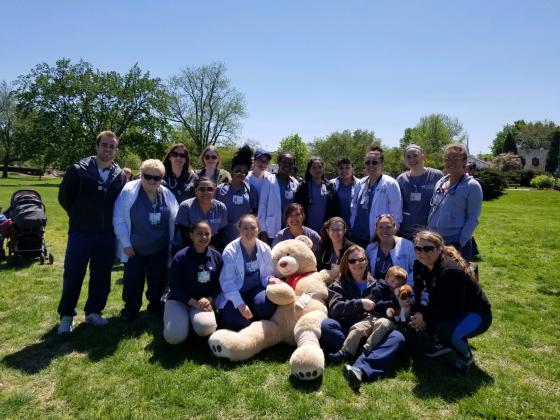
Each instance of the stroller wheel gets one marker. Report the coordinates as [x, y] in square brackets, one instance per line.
[51, 259]
[41, 260]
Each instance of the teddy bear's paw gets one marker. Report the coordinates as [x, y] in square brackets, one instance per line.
[307, 362]
[220, 343]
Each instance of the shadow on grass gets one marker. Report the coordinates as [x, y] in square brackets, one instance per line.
[435, 379]
[97, 342]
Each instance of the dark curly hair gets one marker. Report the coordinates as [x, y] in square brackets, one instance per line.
[243, 156]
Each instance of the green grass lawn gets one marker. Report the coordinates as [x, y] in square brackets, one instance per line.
[125, 371]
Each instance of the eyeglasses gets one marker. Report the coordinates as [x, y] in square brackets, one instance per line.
[179, 154]
[337, 229]
[205, 189]
[356, 260]
[426, 249]
[149, 177]
[372, 162]
[210, 157]
[453, 158]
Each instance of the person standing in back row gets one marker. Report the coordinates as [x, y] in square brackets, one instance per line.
[88, 192]
[417, 187]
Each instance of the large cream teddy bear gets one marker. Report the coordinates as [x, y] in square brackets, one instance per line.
[297, 321]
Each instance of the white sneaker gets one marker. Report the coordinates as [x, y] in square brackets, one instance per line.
[96, 320]
[65, 326]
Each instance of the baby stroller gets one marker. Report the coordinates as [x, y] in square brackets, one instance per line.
[27, 236]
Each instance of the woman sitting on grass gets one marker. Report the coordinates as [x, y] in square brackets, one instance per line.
[457, 308]
[349, 303]
[246, 273]
[193, 286]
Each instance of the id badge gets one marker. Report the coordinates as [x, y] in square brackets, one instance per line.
[155, 218]
[289, 194]
[415, 196]
[251, 266]
[203, 276]
[365, 201]
[237, 200]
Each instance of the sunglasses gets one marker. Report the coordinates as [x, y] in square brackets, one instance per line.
[211, 157]
[205, 189]
[372, 162]
[179, 154]
[426, 249]
[356, 260]
[149, 177]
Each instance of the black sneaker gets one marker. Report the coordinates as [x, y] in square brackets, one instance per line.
[437, 350]
[340, 356]
[353, 376]
[463, 364]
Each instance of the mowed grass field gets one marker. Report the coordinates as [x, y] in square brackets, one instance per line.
[128, 371]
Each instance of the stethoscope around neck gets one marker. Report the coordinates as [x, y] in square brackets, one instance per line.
[449, 191]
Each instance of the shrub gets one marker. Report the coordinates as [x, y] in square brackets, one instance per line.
[492, 183]
[522, 177]
[542, 181]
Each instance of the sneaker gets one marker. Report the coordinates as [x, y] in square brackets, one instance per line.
[437, 350]
[463, 363]
[96, 320]
[339, 356]
[65, 326]
[353, 376]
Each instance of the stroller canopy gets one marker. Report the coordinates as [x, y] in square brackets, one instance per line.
[28, 209]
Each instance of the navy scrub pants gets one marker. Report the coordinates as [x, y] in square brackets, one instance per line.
[258, 303]
[97, 249]
[378, 362]
[151, 269]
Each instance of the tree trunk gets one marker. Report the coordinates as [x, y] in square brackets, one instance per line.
[6, 163]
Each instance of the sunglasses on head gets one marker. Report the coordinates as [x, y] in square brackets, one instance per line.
[211, 157]
[356, 260]
[205, 189]
[372, 162]
[179, 154]
[149, 177]
[427, 248]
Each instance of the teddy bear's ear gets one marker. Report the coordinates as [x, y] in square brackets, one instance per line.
[305, 240]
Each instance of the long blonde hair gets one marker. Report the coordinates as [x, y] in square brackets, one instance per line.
[436, 239]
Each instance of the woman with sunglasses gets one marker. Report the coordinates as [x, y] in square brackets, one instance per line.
[201, 207]
[417, 187]
[179, 177]
[375, 194]
[317, 195]
[348, 304]
[193, 287]
[246, 273]
[456, 202]
[388, 249]
[457, 308]
[332, 246]
[294, 216]
[210, 160]
[238, 195]
[144, 222]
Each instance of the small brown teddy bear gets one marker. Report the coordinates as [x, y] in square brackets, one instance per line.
[297, 321]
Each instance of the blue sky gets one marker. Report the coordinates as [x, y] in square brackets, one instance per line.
[314, 67]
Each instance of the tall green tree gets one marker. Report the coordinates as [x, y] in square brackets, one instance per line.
[74, 102]
[202, 100]
[8, 137]
[343, 144]
[433, 133]
[295, 144]
[553, 157]
[509, 144]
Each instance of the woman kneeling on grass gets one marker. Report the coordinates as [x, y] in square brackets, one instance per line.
[193, 286]
[457, 308]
